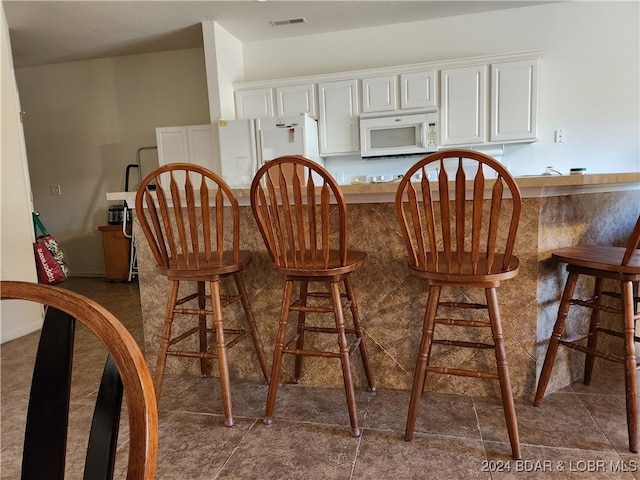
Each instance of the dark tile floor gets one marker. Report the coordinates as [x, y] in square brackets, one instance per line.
[579, 431]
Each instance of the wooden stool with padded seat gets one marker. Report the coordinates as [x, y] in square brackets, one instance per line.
[307, 243]
[603, 263]
[455, 240]
[188, 246]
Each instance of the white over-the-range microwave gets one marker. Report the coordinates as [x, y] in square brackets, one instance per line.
[399, 134]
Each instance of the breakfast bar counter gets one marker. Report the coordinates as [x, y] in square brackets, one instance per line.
[557, 211]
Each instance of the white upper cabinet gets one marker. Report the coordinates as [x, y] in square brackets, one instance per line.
[338, 125]
[256, 103]
[480, 100]
[379, 94]
[296, 99]
[514, 101]
[186, 144]
[173, 145]
[417, 89]
[200, 145]
[463, 98]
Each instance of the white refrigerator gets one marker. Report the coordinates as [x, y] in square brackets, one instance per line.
[245, 145]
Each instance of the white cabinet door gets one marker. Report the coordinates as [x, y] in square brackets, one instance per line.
[257, 103]
[338, 127]
[418, 89]
[185, 144]
[514, 101]
[296, 99]
[379, 94]
[200, 145]
[173, 145]
[463, 105]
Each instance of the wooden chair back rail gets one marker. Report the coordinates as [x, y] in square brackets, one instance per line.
[296, 232]
[45, 444]
[104, 428]
[418, 217]
[46, 430]
[194, 231]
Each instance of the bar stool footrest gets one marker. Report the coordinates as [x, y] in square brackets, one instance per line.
[237, 336]
[476, 306]
[462, 323]
[590, 351]
[615, 333]
[460, 343]
[462, 372]
[590, 303]
[289, 348]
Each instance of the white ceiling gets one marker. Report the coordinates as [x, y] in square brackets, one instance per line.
[45, 32]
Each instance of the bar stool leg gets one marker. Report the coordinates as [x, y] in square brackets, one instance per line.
[503, 372]
[594, 324]
[166, 335]
[351, 296]
[304, 287]
[251, 321]
[344, 357]
[554, 341]
[419, 376]
[222, 353]
[630, 365]
[277, 353]
[202, 326]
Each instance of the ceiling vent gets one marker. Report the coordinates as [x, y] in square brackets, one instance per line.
[277, 23]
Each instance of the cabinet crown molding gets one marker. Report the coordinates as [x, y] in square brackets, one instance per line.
[393, 70]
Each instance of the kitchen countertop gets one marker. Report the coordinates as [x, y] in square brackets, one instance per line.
[531, 186]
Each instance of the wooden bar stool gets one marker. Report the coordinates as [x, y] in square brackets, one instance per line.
[307, 243]
[455, 240]
[175, 217]
[605, 264]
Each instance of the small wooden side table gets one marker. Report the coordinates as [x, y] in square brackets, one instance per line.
[116, 249]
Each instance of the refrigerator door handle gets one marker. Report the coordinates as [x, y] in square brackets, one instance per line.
[256, 148]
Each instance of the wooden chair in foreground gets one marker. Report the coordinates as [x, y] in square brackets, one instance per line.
[605, 264]
[45, 442]
[456, 239]
[189, 247]
[307, 242]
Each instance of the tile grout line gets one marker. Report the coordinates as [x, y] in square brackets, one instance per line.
[235, 449]
[484, 445]
[364, 417]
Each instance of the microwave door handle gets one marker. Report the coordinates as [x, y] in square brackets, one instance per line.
[255, 140]
[422, 141]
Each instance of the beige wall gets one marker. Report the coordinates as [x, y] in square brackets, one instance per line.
[84, 123]
[16, 234]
